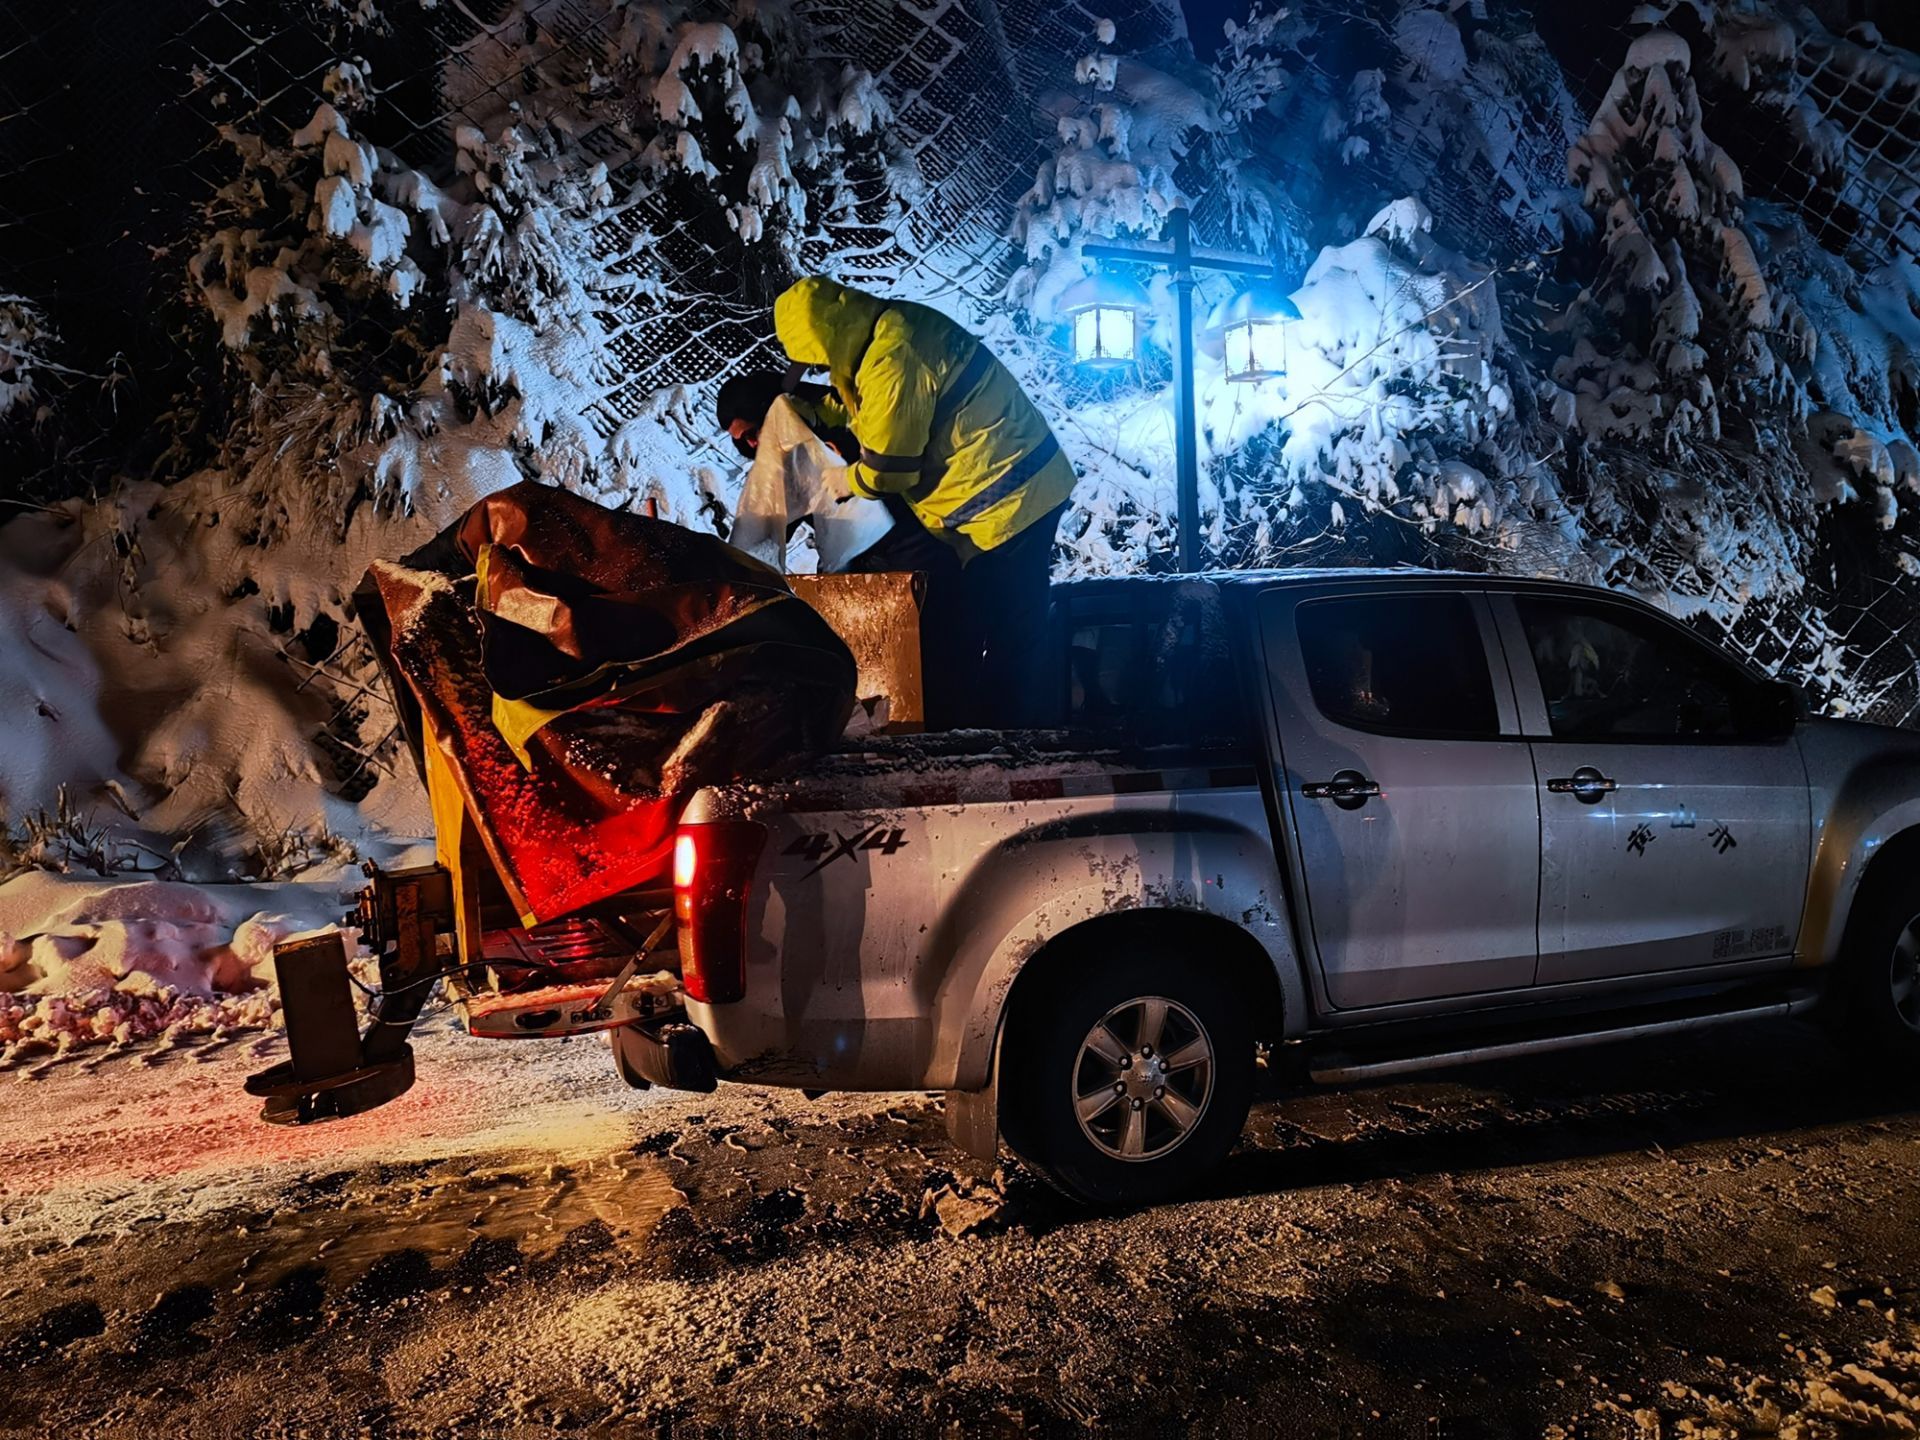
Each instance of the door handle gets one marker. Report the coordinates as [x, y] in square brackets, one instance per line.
[1586, 785]
[1348, 789]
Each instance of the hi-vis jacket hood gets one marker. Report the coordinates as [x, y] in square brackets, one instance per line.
[939, 420]
[823, 323]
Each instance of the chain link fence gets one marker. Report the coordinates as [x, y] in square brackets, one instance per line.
[1829, 130]
[143, 111]
[1841, 122]
[960, 79]
[112, 135]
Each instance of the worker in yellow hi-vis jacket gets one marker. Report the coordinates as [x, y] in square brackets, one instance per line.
[944, 425]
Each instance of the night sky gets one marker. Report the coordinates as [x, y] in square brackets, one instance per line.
[1899, 20]
[1205, 20]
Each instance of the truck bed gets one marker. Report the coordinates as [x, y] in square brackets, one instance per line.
[965, 767]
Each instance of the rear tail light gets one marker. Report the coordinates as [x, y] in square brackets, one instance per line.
[712, 873]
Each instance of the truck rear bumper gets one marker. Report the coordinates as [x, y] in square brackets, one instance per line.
[825, 1048]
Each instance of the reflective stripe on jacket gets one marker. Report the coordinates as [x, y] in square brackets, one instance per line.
[939, 420]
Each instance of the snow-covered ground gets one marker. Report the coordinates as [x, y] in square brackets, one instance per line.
[164, 715]
[1617, 1243]
[90, 964]
[97, 1145]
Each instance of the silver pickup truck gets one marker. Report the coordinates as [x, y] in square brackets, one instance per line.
[1345, 824]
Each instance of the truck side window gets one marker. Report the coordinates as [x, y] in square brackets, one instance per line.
[1404, 664]
[1608, 673]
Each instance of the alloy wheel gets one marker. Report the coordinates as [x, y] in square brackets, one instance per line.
[1144, 1076]
[1904, 968]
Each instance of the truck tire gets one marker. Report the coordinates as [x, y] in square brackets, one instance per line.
[1881, 983]
[1126, 1078]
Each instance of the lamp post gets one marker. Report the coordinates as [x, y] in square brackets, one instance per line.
[1178, 257]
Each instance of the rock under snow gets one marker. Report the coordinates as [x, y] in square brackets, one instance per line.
[1657, 48]
[1401, 220]
[86, 960]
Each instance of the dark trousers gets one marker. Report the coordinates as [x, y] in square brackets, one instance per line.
[981, 627]
[1004, 592]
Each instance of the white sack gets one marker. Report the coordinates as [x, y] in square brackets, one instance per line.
[796, 476]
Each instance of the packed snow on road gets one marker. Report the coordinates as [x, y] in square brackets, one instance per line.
[1708, 1235]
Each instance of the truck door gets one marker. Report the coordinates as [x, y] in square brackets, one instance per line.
[1673, 798]
[1409, 788]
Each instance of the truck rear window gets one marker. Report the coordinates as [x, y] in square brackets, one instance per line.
[1154, 666]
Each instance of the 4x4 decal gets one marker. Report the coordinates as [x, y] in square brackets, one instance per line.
[823, 849]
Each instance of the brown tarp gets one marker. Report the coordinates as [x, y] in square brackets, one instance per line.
[583, 671]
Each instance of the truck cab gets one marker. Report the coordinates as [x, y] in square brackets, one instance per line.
[1496, 788]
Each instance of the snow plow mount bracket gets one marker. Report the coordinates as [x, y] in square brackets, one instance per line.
[600, 973]
[334, 1069]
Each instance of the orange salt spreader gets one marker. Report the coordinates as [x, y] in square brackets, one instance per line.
[568, 676]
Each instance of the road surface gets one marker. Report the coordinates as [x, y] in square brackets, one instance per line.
[1714, 1232]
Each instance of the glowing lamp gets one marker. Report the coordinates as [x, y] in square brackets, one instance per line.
[1249, 333]
[1105, 311]
[1252, 327]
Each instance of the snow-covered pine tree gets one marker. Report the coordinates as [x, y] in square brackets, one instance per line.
[1118, 138]
[1860, 316]
[735, 112]
[1399, 404]
[402, 332]
[305, 243]
[1403, 409]
[26, 337]
[1742, 384]
[1678, 323]
[1675, 380]
[309, 272]
[1259, 74]
[385, 341]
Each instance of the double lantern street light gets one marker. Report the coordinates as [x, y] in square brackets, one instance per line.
[1107, 312]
